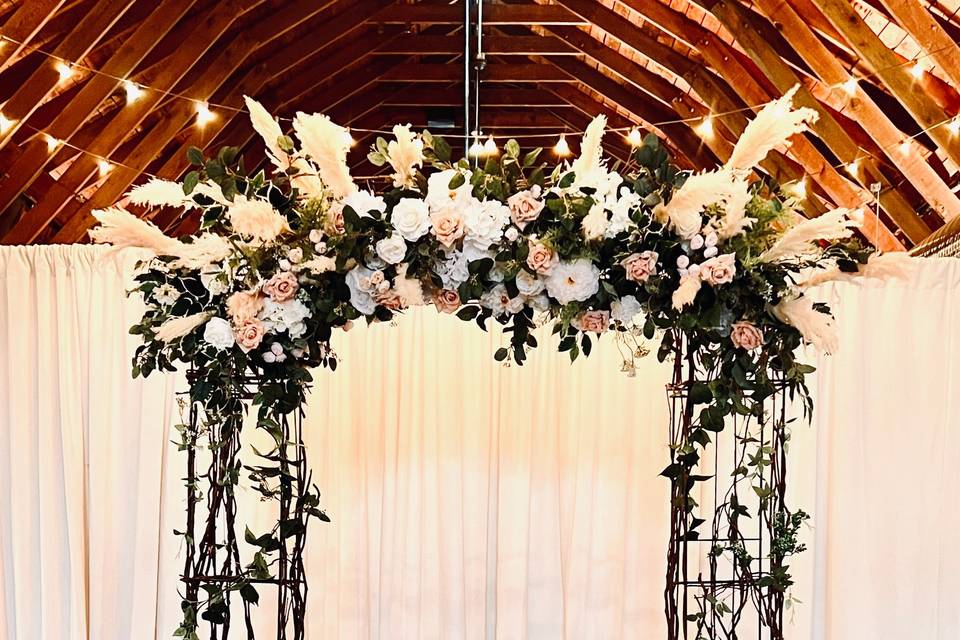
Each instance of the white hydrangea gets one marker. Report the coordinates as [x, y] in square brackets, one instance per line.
[286, 316]
[625, 310]
[573, 281]
[454, 271]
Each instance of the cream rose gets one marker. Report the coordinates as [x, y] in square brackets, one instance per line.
[524, 208]
[281, 287]
[640, 266]
[596, 321]
[540, 257]
[244, 306]
[446, 300]
[746, 335]
[392, 250]
[719, 270]
[218, 333]
[249, 334]
[447, 225]
[411, 218]
[333, 223]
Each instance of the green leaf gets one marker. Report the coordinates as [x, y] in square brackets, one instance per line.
[700, 393]
[442, 149]
[457, 181]
[195, 156]
[468, 313]
[501, 354]
[512, 148]
[567, 179]
[531, 157]
[249, 594]
[190, 182]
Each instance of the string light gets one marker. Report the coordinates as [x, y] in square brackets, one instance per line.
[562, 149]
[6, 123]
[134, 91]
[490, 147]
[854, 167]
[64, 70]
[905, 147]
[916, 70]
[353, 141]
[476, 149]
[52, 143]
[705, 128]
[953, 126]
[634, 138]
[798, 189]
[850, 86]
[204, 115]
[104, 166]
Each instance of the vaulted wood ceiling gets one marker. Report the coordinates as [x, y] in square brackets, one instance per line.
[663, 65]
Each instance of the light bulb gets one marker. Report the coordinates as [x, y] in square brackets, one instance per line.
[52, 143]
[634, 138]
[854, 167]
[562, 149]
[64, 70]
[705, 128]
[104, 166]
[204, 115]
[905, 147]
[353, 141]
[953, 127]
[916, 70]
[134, 91]
[5, 123]
[850, 86]
[490, 147]
[476, 149]
[799, 189]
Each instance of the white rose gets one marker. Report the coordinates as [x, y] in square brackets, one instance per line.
[218, 333]
[295, 255]
[573, 281]
[411, 218]
[392, 250]
[363, 202]
[358, 281]
[511, 234]
[316, 236]
[529, 284]
[484, 223]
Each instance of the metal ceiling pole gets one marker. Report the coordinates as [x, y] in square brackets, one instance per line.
[467, 72]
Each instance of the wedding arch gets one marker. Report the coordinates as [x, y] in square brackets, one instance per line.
[715, 265]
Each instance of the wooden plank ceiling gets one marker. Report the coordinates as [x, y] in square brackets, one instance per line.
[883, 74]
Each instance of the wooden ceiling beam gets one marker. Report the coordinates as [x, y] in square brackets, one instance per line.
[891, 73]
[420, 44]
[754, 88]
[940, 46]
[493, 15]
[72, 116]
[732, 15]
[116, 129]
[23, 25]
[490, 97]
[523, 72]
[862, 107]
[74, 46]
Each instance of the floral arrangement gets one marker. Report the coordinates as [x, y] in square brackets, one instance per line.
[719, 260]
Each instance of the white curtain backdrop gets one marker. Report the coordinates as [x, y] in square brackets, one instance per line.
[468, 500]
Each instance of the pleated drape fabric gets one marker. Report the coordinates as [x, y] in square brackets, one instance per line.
[469, 500]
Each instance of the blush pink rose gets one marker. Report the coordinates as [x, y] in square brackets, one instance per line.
[719, 270]
[249, 334]
[746, 335]
[446, 300]
[447, 226]
[596, 321]
[540, 257]
[244, 306]
[281, 287]
[391, 300]
[640, 266]
[524, 208]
